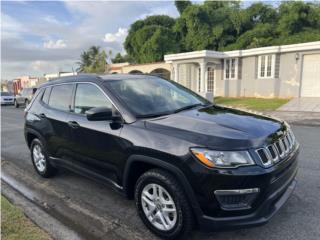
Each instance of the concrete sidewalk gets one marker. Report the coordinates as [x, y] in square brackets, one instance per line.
[304, 104]
[298, 118]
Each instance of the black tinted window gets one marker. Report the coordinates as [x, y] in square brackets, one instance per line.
[154, 96]
[60, 97]
[6, 94]
[89, 96]
[45, 97]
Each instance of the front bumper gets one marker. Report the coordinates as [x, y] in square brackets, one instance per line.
[7, 102]
[262, 215]
[275, 183]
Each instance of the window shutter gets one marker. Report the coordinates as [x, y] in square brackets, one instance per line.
[222, 69]
[256, 67]
[277, 66]
[239, 68]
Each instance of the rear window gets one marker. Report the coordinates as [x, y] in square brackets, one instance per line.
[45, 97]
[60, 97]
[6, 94]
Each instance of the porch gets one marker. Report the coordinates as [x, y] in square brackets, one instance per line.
[199, 71]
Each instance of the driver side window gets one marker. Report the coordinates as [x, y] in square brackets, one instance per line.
[89, 96]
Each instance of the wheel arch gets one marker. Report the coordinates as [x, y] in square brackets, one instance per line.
[30, 135]
[137, 161]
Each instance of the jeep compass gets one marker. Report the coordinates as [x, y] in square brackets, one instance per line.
[185, 161]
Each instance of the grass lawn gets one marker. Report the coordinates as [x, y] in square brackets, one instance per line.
[16, 226]
[257, 104]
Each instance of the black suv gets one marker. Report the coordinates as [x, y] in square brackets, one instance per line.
[185, 161]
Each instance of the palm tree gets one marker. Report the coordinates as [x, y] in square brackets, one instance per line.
[84, 62]
[92, 61]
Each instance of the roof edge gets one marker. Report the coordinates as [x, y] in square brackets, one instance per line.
[246, 52]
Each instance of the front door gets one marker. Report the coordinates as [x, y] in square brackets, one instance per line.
[95, 145]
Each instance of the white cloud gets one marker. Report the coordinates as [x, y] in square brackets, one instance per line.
[55, 44]
[50, 19]
[10, 28]
[41, 66]
[119, 36]
[47, 42]
[50, 67]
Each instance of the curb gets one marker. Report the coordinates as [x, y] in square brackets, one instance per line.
[80, 220]
[46, 222]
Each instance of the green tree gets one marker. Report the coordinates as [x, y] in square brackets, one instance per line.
[296, 17]
[120, 59]
[93, 60]
[223, 25]
[149, 39]
[181, 5]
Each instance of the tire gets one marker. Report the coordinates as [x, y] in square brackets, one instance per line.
[16, 104]
[39, 157]
[179, 223]
[26, 102]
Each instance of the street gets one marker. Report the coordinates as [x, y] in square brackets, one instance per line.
[96, 211]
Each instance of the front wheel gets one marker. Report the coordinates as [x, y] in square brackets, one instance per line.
[162, 205]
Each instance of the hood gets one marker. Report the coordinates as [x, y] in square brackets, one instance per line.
[218, 127]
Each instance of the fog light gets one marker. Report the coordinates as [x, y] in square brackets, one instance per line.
[236, 199]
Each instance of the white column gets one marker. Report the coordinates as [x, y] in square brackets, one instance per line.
[202, 76]
[176, 71]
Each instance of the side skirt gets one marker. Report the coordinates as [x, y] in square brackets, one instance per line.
[74, 167]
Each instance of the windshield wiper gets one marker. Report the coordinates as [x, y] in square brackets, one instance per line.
[153, 115]
[188, 107]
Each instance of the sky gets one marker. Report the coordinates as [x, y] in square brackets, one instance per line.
[40, 37]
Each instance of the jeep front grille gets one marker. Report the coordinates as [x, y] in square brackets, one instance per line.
[277, 151]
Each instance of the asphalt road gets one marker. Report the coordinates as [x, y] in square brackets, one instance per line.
[298, 219]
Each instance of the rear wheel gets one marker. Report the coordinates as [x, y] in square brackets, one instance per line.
[16, 104]
[162, 205]
[26, 102]
[40, 159]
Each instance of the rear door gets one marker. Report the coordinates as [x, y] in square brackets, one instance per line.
[56, 114]
[20, 97]
[96, 146]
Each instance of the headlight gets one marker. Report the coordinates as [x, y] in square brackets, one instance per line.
[222, 159]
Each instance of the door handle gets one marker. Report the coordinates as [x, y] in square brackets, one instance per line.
[73, 124]
[42, 115]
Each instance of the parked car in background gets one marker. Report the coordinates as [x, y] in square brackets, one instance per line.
[24, 98]
[184, 160]
[7, 98]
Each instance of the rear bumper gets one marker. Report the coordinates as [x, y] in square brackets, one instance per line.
[262, 214]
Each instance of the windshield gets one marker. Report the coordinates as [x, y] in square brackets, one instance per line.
[6, 94]
[154, 96]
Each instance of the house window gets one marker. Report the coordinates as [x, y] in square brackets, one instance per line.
[210, 79]
[230, 68]
[266, 66]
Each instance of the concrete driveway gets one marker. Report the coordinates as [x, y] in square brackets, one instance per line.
[306, 104]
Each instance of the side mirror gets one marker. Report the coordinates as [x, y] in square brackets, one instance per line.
[99, 114]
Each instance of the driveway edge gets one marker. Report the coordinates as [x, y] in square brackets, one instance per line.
[78, 219]
[42, 219]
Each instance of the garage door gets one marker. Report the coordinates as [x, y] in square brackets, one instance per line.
[311, 76]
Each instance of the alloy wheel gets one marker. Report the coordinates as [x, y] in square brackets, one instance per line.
[39, 158]
[159, 207]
